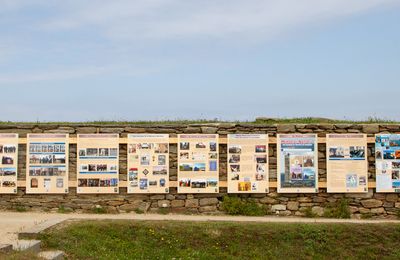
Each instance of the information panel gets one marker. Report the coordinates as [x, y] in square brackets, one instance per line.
[248, 163]
[97, 164]
[198, 167]
[387, 155]
[148, 163]
[47, 163]
[347, 165]
[297, 163]
[8, 163]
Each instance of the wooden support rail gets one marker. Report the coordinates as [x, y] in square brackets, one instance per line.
[174, 184]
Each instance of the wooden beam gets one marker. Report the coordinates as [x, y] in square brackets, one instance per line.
[174, 140]
[174, 184]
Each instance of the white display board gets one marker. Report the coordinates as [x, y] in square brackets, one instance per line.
[198, 163]
[297, 163]
[347, 164]
[148, 163]
[248, 163]
[8, 163]
[98, 163]
[47, 163]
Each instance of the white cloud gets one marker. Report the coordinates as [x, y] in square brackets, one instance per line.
[174, 19]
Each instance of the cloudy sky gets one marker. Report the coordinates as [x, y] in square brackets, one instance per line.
[83, 60]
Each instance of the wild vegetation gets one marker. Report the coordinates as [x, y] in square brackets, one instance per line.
[216, 240]
[237, 206]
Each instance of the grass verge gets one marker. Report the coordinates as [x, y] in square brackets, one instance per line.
[298, 120]
[220, 240]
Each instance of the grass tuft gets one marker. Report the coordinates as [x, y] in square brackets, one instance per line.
[339, 209]
[99, 210]
[237, 206]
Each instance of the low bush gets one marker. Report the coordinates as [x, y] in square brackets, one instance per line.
[99, 210]
[339, 209]
[308, 213]
[237, 206]
[64, 210]
[20, 208]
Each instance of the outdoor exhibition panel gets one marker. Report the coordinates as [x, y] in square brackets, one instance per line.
[347, 164]
[248, 163]
[97, 163]
[297, 160]
[8, 163]
[198, 165]
[148, 163]
[47, 163]
[387, 156]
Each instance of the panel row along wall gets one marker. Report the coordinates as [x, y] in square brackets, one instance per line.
[198, 163]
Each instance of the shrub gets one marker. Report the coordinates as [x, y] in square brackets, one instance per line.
[308, 213]
[339, 209]
[99, 210]
[138, 211]
[163, 211]
[63, 210]
[398, 213]
[19, 208]
[236, 206]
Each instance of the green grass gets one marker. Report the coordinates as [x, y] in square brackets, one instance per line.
[220, 240]
[299, 120]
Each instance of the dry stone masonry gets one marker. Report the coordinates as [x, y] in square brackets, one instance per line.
[371, 204]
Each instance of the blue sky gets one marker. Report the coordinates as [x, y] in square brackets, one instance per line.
[226, 59]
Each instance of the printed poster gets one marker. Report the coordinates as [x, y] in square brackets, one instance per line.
[47, 163]
[198, 165]
[387, 164]
[248, 163]
[347, 164]
[297, 163]
[8, 163]
[148, 163]
[97, 163]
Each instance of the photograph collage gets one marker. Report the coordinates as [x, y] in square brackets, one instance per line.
[387, 164]
[98, 182]
[248, 163]
[148, 163]
[47, 163]
[347, 165]
[198, 166]
[8, 163]
[347, 153]
[297, 163]
[98, 163]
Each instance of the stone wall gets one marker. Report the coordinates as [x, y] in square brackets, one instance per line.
[376, 205]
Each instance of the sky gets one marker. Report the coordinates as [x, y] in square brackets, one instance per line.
[81, 60]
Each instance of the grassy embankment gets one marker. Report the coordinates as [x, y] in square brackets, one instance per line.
[183, 240]
[300, 120]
